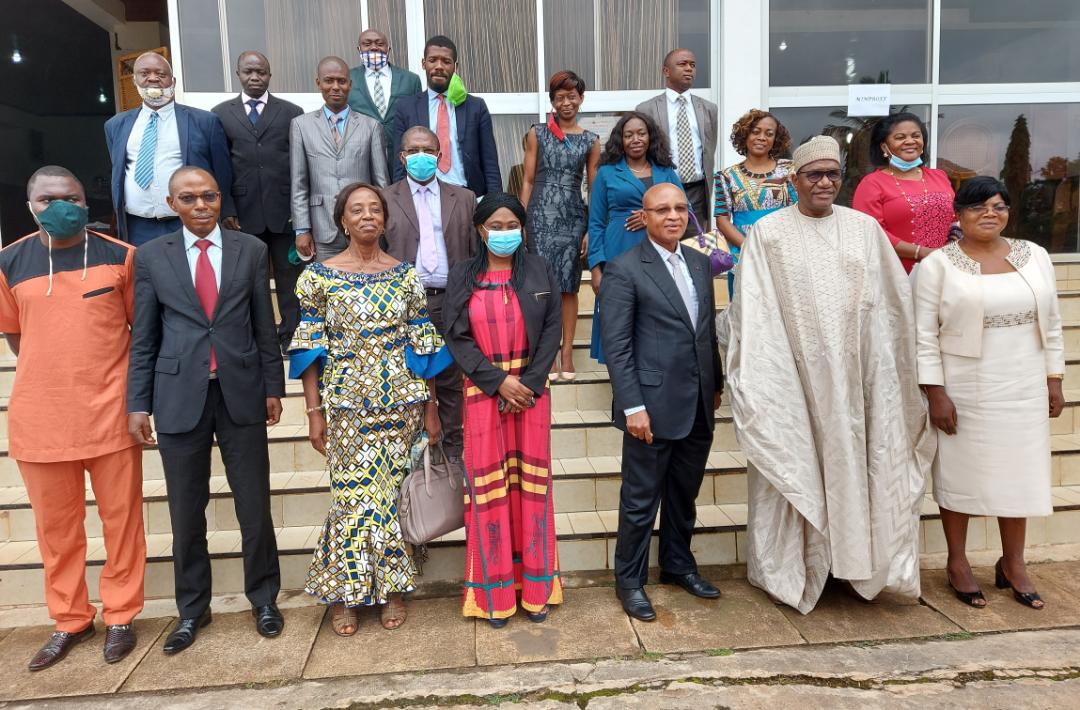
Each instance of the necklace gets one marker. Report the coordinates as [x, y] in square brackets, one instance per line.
[636, 171]
[907, 198]
[755, 176]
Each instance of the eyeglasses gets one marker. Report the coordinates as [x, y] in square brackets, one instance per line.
[677, 209]
[815, 176]
[998, 209]
[209, 197]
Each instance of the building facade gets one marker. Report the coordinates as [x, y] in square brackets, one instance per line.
[998, 81]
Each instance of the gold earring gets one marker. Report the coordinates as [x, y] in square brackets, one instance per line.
[346, 232]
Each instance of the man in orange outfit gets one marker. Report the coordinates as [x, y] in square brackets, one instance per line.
[66, 299]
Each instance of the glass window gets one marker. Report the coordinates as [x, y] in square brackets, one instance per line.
[200, 46]
[510, 133]
[992, 41]
[496, 41]
[852, 133]
[830, 42]
[628, 52]
[314, 30]
[1034, 149]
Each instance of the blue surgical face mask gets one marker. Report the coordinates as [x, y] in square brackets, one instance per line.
[503, 242]
[904, 165]
[421, 166]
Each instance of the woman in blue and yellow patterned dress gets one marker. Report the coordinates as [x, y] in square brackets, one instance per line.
[363, 349]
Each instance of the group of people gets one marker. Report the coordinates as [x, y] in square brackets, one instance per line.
[428, 311]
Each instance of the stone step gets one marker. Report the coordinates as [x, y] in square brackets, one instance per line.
[582, 485]
[586, 543]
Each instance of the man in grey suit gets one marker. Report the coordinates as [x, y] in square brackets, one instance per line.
[690, 123]
[430, 225]
[257, 127]
[659, 336]
[330, 148]
[205, 362]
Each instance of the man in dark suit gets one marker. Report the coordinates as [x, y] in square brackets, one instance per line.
[659, 336]
[430, 225]
[377, 84]
[468, 156]
[205, 362]
[147, 144]
[257, 127]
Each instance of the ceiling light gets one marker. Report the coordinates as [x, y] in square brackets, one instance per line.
[783, 46]
[16, 57]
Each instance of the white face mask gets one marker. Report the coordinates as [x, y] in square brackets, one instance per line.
[154, 96]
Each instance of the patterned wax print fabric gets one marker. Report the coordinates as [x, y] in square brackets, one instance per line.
[371, 337]
[509, 516]
[556, 219]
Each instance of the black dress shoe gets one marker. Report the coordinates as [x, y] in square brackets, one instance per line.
[119, 642]
[185, 632]
[636, 603]
[693, 583]
[268, 620]
[58, 646]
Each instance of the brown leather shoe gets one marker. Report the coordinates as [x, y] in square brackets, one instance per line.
[58, 646]
[119, 642]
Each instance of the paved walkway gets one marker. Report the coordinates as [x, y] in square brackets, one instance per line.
[590, 654]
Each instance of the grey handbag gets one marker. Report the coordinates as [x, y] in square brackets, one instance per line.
[432, 500]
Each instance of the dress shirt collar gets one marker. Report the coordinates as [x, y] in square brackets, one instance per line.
[385, 71]
[165, 111]
[663, 251]
[244, 98]
[434, 96]
[331, 116]
[214, 237]
[673, 96]
[414, 186]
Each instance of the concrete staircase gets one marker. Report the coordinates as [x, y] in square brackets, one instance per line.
[586, 451]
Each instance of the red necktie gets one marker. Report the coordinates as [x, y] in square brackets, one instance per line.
[206, 287]
[442, 131]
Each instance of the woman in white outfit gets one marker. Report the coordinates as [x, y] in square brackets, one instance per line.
[991, 361]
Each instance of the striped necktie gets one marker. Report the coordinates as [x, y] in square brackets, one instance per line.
[144, 164]
[380, 98]
[687, 171]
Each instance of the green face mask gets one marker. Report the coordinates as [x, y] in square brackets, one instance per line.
[61, 219]
[455, 92]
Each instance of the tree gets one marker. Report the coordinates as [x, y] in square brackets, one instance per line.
[1016, 173]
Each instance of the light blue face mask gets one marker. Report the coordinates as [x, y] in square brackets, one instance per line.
[503, 242]
[904, 165]
[421, 166]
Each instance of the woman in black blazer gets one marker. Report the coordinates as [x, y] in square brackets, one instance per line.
[503, 326]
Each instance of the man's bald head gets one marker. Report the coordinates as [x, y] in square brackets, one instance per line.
[253, 56]
[331, 65]
[666, 213]
[373, 39]
[418, 136]
[180, 175]
[253, 71]
[152, 59]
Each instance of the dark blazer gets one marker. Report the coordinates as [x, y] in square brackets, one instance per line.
[402, 235]
[476, 140]
[202, 144]
[402, 83]
[541, 308]
[260, 162]
[654, 356]
[171, 335]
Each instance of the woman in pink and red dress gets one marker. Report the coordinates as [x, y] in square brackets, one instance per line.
[503, 327]
[912, 202]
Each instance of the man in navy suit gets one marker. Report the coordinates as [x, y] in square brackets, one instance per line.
[149, 143]
[466, 142]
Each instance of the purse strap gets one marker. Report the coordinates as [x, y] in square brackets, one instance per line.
[427, 466]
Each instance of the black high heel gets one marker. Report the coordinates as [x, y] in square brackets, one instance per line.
[968, 598]
[1029, 599]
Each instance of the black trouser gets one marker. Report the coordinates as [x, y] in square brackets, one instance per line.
[186, 459]
[285, 275]
[448, 386]
[697, 194]
[667, 471]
